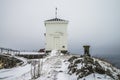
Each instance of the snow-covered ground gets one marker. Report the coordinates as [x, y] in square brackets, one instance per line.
[54, 67]
[14, 73]
[31, 53]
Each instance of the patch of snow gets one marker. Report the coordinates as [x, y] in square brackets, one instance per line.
[13, 73]
[63, 76]
[53, 65]
[96, 76]
[54, 53]
[31, 53]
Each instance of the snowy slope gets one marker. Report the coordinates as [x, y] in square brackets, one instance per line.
[56, 66]
[14, 73]
[92, 68]
[31, 53]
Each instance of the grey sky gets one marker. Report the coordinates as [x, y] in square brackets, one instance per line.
[94, 22]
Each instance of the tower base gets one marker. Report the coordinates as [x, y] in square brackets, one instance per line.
[64, 51]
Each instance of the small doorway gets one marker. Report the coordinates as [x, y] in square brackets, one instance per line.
[57, 43]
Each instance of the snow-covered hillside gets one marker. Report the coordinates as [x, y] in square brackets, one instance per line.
[60, 67]
[57, 66]
[91, 68]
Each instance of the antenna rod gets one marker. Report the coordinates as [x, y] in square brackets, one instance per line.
[56, 13]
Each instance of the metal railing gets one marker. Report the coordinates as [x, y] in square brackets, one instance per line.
[9, 51]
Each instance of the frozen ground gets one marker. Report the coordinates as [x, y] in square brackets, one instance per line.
[16, 72]
[55, 67]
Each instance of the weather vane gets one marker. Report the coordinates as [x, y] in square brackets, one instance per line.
[56, 12]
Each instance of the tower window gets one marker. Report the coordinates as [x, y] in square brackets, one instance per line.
[63, 46]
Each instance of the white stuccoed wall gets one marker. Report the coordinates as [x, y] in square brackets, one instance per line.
[56, 35]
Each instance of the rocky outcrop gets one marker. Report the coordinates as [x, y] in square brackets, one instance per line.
[86, 65]
[9, 61]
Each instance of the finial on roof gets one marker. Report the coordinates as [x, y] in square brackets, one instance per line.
[56, 12]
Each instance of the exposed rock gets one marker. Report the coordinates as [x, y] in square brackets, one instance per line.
[77, 61]
[8, 62]
[88, 66]
[72, 58]
[118, 76]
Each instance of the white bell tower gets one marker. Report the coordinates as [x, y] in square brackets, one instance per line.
[56, 34]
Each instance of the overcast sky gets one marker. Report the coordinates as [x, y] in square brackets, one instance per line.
[92, 22]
